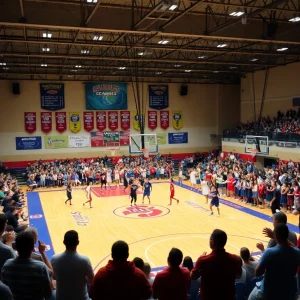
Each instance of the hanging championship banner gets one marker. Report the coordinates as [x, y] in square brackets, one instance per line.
[74, 121]
[113, 122]
[125, 119]
[158, 96]
[152, 119]
[30, 121]
[61, 121]
[97, 139]
[124, 138]
[46, 121]
[101, 120]
[177, 119]
[136, 123]
[164, 119]
[52, 96]
[88, 120]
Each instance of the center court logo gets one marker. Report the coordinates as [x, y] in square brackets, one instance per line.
[141, 211]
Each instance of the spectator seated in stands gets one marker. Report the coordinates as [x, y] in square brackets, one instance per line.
[13, 216]
[249, 264]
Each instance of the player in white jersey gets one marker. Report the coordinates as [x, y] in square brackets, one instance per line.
[88, 195]
[193, 174]
[117, 176]
[108, 177]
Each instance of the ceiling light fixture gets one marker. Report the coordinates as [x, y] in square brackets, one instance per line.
[221, 45]
[85, 51]
[282, 49]
[163, 42]
[253, 59]
[91, 1]
[2, 64]
[70, 76]
[188, 71]
[177, 66]
[158, 73]
[74, 70]
[201, 57]
[216, 71]
[122, 68]
[47, 35]
[44, 65]
[173, 7]
[5, 68]
[78, 66]
[98, 37]
[232, 67]
[294, 20]
[141, 53]
[236, 13]
[45, 48]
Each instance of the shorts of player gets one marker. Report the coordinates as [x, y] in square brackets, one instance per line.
[193, 181]
[146, 194]
[172, 195]
[197, 181]
[214, 202]
[69, 195]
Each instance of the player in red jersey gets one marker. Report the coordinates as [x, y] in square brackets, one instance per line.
[172, 192]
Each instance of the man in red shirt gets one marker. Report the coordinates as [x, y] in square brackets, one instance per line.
[262, 194]
[218, 270]
[120, 279]
[174, 281]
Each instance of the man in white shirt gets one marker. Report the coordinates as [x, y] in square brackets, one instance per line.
[72, 271]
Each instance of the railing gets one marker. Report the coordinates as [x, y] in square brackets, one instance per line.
[229, 134]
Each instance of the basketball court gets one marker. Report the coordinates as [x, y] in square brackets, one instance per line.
[150, 230]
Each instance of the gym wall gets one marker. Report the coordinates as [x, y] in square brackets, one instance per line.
[283, 85]
[207, 109]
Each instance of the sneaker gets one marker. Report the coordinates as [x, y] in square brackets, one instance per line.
[211, 213]
[218, 215]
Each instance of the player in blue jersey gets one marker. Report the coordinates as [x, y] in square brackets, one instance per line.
[214, 194]
[147, 189]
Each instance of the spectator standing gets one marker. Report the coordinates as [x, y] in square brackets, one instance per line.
[5, 251]
[174, 281]
[278, 265]
[72, 271]
[120, 279]
[218, 270]
[5, 293]
[27, 279]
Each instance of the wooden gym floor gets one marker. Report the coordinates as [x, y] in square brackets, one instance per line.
[150, 230]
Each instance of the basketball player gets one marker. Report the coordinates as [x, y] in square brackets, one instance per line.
[133, 189]
[147, 189]
[88, 194]
[215, 200]
[125, 180]
[103, 178]
[108, 177]
[172, 192]
[69, 194]
[117, 176]
[193, 175]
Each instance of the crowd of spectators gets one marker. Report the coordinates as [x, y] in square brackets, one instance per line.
[79, 171]
[288, 122]
[27, 274]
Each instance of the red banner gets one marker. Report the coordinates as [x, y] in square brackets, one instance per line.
[60, 121]
[125, 119]
[88, 120]
[101, 120]
[164, 119]
[30, 121]
[113, 121]
[152, 119]
[46, 121]
[97, 139]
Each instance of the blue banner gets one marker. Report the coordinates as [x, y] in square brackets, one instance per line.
[28, 143]
[158, 96]
[106, 96]
[178, 138]
[52, 96]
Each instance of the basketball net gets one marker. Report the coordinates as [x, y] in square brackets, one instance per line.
[146, 152]
[253, 152]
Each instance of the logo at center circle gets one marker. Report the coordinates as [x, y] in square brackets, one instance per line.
[141, 211]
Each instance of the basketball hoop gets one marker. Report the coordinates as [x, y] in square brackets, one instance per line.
[146, 152]
[253, 152]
